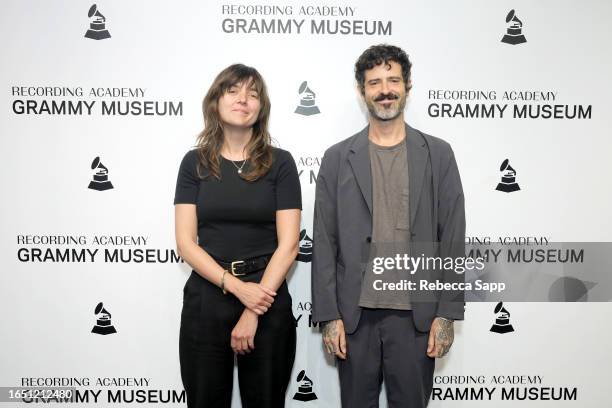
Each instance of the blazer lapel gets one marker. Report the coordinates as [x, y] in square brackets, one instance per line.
[417, 163]
[359, 158]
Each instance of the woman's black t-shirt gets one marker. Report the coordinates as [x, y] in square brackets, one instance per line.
[237, 218]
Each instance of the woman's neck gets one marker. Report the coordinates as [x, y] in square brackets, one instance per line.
[235, 141]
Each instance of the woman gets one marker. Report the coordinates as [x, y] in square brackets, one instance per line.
[237, 214]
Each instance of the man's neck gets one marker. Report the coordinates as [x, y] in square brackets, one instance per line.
[387, 132]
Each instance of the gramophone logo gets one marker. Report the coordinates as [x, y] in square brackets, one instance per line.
[100, 180]
[304, 392]
[305, 251]
[502, 321]
[508, 182]
[97, 27]
[514, 32]
[103, 321]
[307, 104]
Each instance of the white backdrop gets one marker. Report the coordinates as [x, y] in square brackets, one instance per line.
[172, 51]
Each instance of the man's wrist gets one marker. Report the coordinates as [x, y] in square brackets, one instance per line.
[445, 318]
[332, 323]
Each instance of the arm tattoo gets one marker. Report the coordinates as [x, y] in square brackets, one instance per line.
[445, 335]
[330, 331]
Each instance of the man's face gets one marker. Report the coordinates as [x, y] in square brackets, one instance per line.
[385, 91]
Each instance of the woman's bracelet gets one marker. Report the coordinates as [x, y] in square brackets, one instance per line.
[223, 283]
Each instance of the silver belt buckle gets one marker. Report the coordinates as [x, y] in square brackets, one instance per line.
[233, 268]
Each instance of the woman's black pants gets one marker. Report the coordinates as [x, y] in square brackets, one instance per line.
[207, 359]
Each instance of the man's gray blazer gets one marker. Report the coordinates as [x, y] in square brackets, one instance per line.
[343, 225]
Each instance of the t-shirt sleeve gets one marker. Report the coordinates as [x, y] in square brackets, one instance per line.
[288, 189]
[188, 182]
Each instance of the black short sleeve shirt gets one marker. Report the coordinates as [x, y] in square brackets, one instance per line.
[237, 218]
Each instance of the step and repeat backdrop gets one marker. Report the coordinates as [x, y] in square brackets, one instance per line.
[99, 103]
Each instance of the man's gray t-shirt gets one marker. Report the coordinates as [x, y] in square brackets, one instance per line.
[390, 225]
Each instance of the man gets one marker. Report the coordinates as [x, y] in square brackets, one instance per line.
[389, 186]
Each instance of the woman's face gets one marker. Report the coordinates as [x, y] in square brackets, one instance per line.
[239, 106]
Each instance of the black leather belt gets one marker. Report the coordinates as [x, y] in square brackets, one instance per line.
[246, 266]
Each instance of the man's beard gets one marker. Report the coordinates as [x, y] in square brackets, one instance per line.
[390, 113]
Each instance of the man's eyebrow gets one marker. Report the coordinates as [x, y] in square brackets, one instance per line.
[389, 77]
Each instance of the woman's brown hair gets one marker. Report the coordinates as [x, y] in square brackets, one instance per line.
[210, 140]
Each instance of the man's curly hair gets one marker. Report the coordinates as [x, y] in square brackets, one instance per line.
[382, 54]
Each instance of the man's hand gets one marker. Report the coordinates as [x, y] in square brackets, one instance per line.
[334, 338]
[243, 335]
[441, 337]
